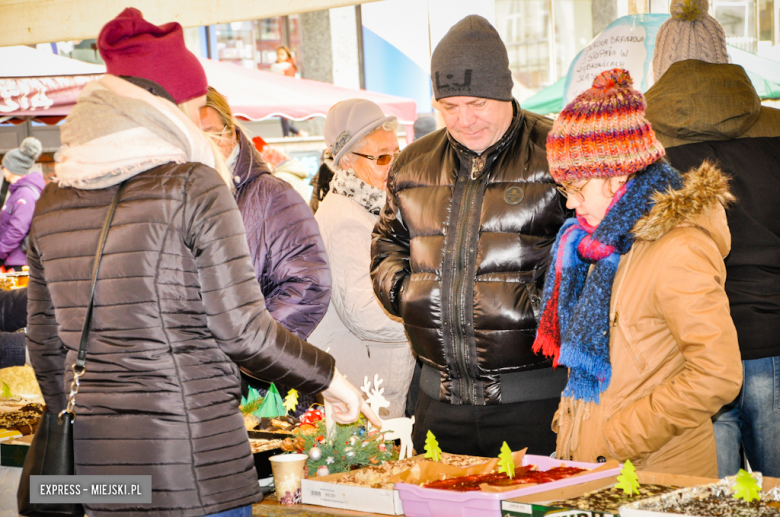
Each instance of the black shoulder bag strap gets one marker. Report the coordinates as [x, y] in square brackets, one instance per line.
[79, 367]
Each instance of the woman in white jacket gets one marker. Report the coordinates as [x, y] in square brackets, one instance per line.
[356, 330]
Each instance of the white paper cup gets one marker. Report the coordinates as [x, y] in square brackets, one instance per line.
[288, 473]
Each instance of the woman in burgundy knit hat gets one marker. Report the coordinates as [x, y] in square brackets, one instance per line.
[177, 308]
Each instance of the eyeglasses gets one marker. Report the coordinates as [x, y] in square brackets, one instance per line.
[382, 159]
[219, 134]
[568, 190]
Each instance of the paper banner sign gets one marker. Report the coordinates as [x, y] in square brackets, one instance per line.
[628, 43]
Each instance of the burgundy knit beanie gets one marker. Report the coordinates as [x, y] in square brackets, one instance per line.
[132, 46]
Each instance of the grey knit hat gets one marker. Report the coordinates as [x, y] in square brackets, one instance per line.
[471, 61]
[19, 161]
[348, 121]
[691, 33]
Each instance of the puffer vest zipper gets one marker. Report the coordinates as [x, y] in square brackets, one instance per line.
[459, 267]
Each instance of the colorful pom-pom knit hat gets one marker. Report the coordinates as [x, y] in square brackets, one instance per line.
[603, 132]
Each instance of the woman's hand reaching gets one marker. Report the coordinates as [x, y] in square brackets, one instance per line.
[347, 402]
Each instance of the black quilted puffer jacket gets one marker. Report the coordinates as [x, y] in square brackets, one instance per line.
[460, 253]
[177, 310]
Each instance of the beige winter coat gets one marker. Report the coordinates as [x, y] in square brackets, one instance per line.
[364, 339]
[673, 346]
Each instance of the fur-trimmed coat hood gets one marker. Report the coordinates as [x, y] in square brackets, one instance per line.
[673, 346]
[700, 202]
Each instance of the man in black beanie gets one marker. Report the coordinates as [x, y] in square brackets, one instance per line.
[460, 253]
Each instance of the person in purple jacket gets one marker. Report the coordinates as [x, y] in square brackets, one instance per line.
[24, 189]
[287, 251]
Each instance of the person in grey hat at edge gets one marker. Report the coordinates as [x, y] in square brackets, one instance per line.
[25, 187]
[460, 252]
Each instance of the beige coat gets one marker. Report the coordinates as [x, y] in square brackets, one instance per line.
[356, 330]
[673, 346]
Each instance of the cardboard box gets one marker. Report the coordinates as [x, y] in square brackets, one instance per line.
[322, 491]
[534, 505]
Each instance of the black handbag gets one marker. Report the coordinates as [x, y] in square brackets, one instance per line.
[51, 450]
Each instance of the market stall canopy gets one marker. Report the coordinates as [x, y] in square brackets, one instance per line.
[255, 94]
[36, 83]
[44, 21]
[629, 42]
[43, 85]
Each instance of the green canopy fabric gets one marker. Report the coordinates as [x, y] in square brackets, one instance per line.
[549, 100]
[764, 73]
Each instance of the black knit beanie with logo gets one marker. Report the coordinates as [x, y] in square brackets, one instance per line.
[471, 61]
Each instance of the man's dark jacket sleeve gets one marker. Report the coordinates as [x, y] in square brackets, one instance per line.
[390, 252]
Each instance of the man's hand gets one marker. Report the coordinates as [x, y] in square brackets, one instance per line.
[347, 402]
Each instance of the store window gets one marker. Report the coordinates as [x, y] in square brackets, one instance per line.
[253, 44]
[525, 26]
[234, 43]
[749, 24]
[766, 24]
[738, 19]
[573, 29]
[269, 37]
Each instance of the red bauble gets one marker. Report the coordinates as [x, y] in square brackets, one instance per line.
[311, 416]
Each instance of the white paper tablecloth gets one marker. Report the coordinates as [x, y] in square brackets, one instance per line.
[9, 482]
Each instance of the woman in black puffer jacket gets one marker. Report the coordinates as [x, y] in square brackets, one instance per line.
[177, 307]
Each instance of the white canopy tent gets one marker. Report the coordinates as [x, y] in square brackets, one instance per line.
[26, 22]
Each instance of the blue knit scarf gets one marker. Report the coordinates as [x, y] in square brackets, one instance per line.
[574, 329]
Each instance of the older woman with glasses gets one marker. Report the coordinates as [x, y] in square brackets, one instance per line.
[356, 330]
[284, 241]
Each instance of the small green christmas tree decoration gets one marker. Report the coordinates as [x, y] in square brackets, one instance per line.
[251, 404]
[746, 488]
[6, 393]
[432, 449]
[628, 480]
[272, 405]
[291, 400]
[505, 461]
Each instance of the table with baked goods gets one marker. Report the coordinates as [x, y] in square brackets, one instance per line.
[355, 471]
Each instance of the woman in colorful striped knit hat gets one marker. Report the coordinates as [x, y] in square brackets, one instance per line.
[634, 303]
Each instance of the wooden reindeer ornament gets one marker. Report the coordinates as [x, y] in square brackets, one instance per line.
[395, 428]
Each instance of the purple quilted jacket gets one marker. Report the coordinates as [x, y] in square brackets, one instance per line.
[284, 242]
[16, 217]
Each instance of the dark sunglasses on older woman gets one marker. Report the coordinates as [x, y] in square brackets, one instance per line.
[382, 159]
